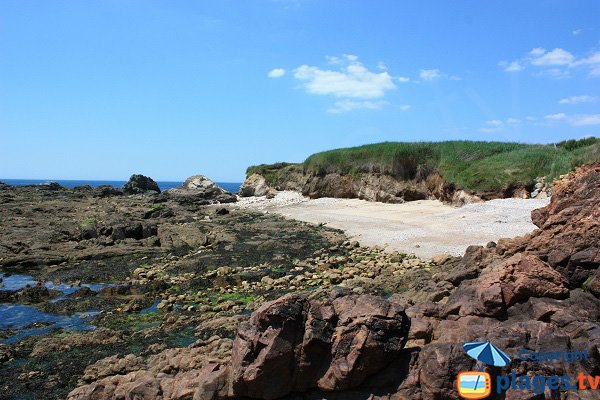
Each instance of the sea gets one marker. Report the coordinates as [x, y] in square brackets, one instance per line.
[232, 187]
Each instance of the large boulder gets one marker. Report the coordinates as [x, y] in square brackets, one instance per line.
[198, 189]
[501, 286]
[255, 185]
[140, 184]
[332, 345]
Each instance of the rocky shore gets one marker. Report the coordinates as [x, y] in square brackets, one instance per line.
[228, 303]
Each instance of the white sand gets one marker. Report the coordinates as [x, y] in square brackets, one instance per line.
[425, 228]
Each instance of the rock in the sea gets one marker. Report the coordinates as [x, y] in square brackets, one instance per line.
[140, 184]
[198, 189]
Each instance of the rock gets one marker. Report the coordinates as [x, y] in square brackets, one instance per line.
[82, 292]
[441, 259]
[333, 345]
[35, 294]
[199, 189]
[221, 211]
[196, 372]
[255, 185]
[106, 191]
[502, 286]
[140, 184]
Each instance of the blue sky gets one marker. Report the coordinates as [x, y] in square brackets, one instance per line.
[103, 89]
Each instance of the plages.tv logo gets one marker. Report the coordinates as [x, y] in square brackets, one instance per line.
[478, 384]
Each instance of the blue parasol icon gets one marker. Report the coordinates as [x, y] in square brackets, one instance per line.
[487, 353]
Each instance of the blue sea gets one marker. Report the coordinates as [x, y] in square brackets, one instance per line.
[233, 187]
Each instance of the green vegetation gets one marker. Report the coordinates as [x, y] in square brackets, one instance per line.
[273, 173]
[478, 166]
[155, 207]
[243, 298]
[86, 223]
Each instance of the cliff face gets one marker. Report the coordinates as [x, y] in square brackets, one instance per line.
[367, 186]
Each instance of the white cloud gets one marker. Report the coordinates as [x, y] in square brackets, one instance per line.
[403, 79]
[554, 73]
[585, 120]
[577, 32]
[381, 65]
[513, 66]
[578, 99]
[353, 80]
[333, 60]
[557, 56]
[429, 74]
[549, 120]
[557, 63]
[556, 117]
[342, 106]
[593, 62]
[538, 51]
[405, 107]
[276, 73]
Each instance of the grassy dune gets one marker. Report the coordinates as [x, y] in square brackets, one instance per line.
[478, 166]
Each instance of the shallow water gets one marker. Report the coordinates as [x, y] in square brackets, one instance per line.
[20, 316]
[152, 308]
[17, 282]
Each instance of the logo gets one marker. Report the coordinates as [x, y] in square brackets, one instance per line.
[474, 385]
[478, 384]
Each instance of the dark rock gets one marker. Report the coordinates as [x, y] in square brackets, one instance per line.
[140, 184]
[35, 294]
[106, 191]
[221, 211]
[83, 188]
[84, 291]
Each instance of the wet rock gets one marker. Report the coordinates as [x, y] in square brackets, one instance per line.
[82, 292]
[35, 294]
[140, 184]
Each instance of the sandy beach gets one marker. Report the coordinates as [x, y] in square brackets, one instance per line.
[425, 228]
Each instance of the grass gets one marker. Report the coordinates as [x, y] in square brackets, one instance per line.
[273, 173]
[476, 166]
[86, 223]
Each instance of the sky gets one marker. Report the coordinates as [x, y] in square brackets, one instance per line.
[102, 89]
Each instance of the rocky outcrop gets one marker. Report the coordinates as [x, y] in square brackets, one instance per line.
[371, 187]
[331, 345]
[255, 185]
[196, 372]
[289, 345]
[198, 189]
[539, 292]
[140, 184]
